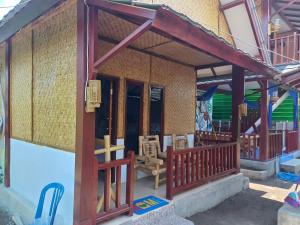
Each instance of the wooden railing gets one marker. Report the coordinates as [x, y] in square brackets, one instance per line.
[286, 49]
[209, 138]
[291, 140]
[127, 207]
[189, 168]
[250, 147]
[275, 145]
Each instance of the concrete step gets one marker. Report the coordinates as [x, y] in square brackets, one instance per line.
[292, 166]
[161, 216]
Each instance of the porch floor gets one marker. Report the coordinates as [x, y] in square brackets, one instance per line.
[258, 205]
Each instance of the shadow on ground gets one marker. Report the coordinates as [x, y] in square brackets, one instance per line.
[256, 206]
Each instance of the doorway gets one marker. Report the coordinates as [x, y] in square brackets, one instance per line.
[156, 114]
[106, 115]
[134, 115]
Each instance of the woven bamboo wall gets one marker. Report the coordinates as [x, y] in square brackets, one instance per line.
[21, 86]
[205, 12]
[178, 81]
[54, 81]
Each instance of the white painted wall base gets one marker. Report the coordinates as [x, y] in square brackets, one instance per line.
[34, 166]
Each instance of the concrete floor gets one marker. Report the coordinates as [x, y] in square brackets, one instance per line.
[5, 217]
[256, 206]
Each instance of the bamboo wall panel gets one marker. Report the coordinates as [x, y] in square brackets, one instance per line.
[54, 81]
[178, 81]
[129, 64]
[21, 86]
[207, 13]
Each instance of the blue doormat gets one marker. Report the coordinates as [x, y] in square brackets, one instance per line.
[147, 204]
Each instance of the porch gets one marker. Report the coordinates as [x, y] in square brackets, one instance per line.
[187, 203]
[158, 36]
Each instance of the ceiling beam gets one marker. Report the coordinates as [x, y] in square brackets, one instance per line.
[208, 66]
[283, 7]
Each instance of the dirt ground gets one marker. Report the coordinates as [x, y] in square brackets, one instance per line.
[256, 206]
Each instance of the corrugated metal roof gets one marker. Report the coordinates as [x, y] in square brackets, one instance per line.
[14, 11]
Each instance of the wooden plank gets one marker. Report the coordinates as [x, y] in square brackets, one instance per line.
[7, 114]
[118, 187]
[130, 182]
[264, 128]
[124, 43]
[169, 186]
[107, 191]
[85, 201]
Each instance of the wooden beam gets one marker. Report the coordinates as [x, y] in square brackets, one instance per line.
[208, 66]
[283, 7]
[7, 124]
[122, 9]
[85, 163]
[147, 52]
[173, 26]
[231, 4]
[264, 127]
[124, 43]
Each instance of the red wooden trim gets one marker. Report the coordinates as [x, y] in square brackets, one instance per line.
[264, 128]
[124, 43]
[173, 26]
[130, 183]
[85, 171]
[200, 67]
[170, 172]
[122, 9]
[7, 124]
[112, 213]
[238, 89]
[231, 4]
[114, 163]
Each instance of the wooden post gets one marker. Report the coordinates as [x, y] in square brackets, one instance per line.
[85, 201]
[296, 112]
[238, 89]
[130, 182]
[169, 185]
[7, 115]
[264, 128]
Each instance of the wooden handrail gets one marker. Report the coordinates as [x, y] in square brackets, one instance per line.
[189, 168]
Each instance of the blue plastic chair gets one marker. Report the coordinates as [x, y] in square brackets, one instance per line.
[58, 191]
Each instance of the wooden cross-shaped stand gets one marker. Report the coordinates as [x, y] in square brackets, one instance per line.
[107, 150]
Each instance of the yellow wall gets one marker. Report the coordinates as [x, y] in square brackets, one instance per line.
[178, 82]
[43, 80]
[205, 12]
[21, 86]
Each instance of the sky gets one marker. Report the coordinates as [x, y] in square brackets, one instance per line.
[6, 3]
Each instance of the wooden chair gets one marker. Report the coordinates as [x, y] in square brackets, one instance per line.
[148, 159]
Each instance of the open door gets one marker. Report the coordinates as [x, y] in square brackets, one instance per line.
[133, 115]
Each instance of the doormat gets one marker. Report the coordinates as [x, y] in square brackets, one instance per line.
[147, 204]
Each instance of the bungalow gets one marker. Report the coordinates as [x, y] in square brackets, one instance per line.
[146, 57]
